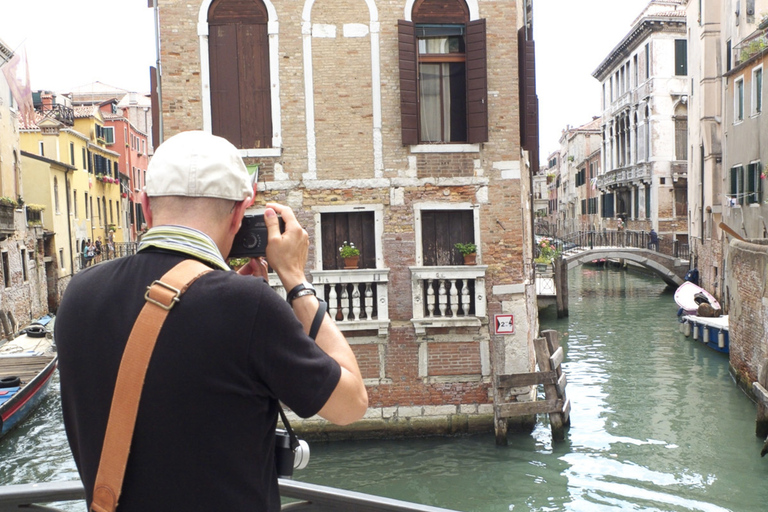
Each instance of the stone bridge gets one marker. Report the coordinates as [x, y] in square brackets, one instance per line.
[669, 268]
[666, 258]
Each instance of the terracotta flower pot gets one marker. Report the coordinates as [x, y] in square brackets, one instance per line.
[470, 259]
[351, 262]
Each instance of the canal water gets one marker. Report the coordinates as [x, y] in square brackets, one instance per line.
[657, 425]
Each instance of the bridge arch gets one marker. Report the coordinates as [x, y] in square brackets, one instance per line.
[669, 269]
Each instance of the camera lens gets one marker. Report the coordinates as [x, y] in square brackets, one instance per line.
[250, 240]
[301, 455]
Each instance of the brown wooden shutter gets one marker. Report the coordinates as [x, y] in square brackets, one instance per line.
[241, 106]
[225, 93]
[409, 98]
[255, 100]
[440, 230]
[529, 102]
[355, 227]
[477, 83]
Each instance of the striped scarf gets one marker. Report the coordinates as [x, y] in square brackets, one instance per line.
[185, 240]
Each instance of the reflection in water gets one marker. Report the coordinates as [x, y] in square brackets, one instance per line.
[657, 425]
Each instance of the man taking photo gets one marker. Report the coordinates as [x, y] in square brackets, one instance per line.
[229, 350]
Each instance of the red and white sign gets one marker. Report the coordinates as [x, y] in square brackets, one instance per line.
[505, 324]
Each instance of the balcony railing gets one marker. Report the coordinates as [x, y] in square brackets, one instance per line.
[448, 296]
[357, 299]
[61, 113]
[624, 175]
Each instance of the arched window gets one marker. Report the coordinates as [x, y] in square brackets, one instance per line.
[443, 74]
[238, 52]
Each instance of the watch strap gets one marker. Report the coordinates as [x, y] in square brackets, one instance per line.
[300, 290]
[322, 307]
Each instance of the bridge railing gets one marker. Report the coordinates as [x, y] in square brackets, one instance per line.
[628, 238]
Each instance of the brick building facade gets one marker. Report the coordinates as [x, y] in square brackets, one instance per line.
[394, 125]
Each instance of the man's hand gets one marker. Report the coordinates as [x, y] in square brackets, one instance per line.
[286, 252]
[257, 267]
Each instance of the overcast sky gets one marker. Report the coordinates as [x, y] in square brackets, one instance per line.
[75, 42]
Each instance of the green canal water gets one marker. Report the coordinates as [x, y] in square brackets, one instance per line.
[657, 425]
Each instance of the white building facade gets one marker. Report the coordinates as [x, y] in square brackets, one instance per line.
[645, 90]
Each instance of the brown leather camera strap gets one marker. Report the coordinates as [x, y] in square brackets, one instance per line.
[161, 296]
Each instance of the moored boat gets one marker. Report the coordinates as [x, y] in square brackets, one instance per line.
[712, 331]
[27, 363]
[688, 295]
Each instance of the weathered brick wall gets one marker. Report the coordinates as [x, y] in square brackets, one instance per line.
[445, 166]
[25, 300]
[454, 359]
[747, 264]
[708, 258]
[368, 360]
[441, 378]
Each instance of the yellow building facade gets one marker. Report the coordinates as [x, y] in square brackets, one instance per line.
[89, 195]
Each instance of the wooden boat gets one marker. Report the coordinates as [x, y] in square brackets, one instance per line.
[27, 363]
[713, 332]
[685, 297]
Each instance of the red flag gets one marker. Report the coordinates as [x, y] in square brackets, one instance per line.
[18, 82]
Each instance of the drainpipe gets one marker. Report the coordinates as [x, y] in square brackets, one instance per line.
[701, 182]
[153, 4]
[69, 224]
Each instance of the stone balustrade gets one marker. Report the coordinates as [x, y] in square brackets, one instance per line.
[448, 296]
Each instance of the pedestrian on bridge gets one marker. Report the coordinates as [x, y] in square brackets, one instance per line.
[620, 231]
[654, 240]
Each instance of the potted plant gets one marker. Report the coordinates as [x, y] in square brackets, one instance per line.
[350, 253]
[548, 251]
[469, 251]
[8, 201]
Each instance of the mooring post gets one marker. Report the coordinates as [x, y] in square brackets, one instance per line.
[501, 431]
[561, 287]
[550, 390]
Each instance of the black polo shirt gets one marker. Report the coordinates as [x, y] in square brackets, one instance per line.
[204, 437]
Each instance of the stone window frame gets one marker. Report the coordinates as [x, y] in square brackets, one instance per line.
[756, 96]
[418, 147]
[738, 100]
[274, 61]
[427, 205]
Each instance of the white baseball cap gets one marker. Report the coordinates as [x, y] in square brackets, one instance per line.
[198, 164]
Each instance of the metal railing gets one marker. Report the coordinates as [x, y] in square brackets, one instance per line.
[627, 238]
[118, 250]
[545, 280]
[313, 498]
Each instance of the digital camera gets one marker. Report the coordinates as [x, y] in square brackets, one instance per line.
[287, 459]
[251, 239]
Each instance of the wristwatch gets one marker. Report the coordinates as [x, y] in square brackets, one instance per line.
[300, 290]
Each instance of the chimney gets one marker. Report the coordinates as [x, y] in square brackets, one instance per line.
[47, 99]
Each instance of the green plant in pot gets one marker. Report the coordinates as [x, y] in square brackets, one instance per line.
[469, 251]
[350, 253]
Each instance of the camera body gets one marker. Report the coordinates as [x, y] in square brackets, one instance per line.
[251, 239]
[286, 460]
